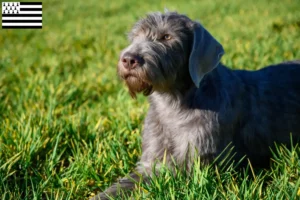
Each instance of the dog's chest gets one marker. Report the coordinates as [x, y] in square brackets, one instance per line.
[184, 131]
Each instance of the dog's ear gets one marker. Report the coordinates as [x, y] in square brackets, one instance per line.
[205, 55]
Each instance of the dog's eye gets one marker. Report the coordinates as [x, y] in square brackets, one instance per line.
[166, 37]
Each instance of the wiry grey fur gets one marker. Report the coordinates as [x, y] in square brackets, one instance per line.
[199, 105]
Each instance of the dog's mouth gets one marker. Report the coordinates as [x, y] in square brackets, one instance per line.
[136, 85]
[136, 81]
[129, 76]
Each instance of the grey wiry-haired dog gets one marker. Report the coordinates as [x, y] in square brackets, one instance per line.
[199, 105]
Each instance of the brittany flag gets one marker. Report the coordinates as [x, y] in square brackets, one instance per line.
[21, 15]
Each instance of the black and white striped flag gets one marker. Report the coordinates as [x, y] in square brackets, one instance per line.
[21, 15]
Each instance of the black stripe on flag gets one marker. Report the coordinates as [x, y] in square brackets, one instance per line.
[21, 15]
[30, 9]
[21, 27]
[30, 3]
[20, 21]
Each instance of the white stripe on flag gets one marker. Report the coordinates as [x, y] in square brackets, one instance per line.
[21, 24]
[30, 12]
[30, 6]
[21, 18]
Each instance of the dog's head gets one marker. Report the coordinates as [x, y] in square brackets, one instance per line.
[167, 51]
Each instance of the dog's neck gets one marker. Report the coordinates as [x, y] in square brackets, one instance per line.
[188, 96]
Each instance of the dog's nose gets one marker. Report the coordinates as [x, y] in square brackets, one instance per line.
[131, 61]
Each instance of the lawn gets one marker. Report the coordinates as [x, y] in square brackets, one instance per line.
[68, 127]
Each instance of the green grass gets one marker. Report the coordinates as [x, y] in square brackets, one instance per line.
[68, 128]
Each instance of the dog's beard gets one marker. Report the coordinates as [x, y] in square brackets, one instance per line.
[137, 80]
[146, 79]
[136, 85]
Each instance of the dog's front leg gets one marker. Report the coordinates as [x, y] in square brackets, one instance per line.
[123, 187]
[153, 150]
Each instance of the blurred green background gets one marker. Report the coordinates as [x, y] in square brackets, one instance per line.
[68, 127]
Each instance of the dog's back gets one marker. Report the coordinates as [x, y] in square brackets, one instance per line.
[271, 109]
